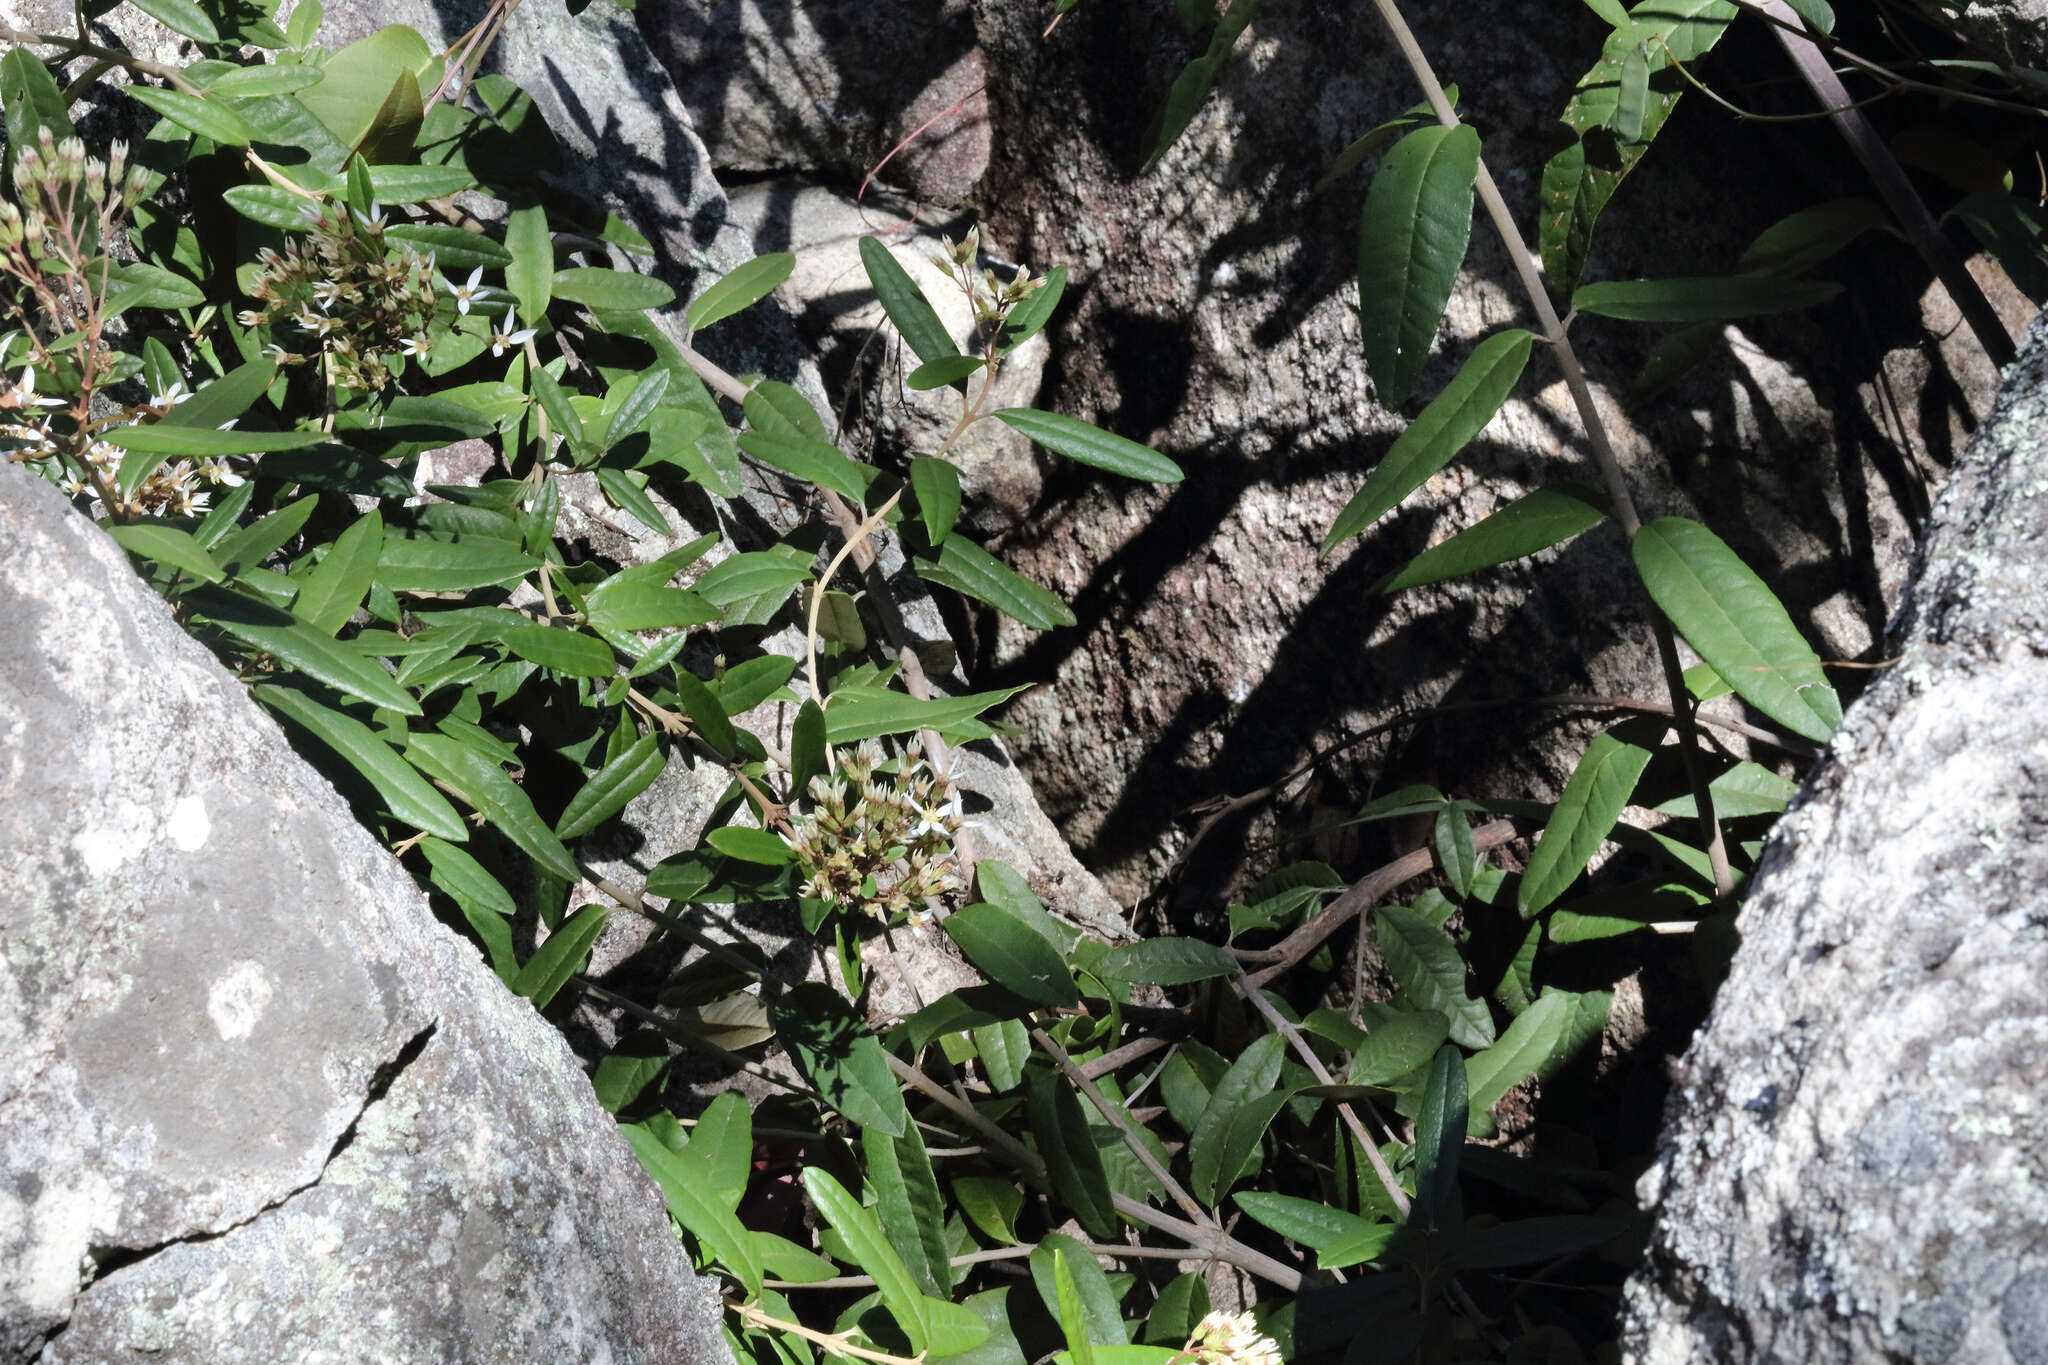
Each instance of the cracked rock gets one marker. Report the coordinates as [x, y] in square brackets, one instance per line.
[256, 1104]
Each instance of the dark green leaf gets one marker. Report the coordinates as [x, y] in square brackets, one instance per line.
[706, 713]
[815, 462]
[1412, 238]
[1737, 624]
[1456, 854]
[208, 118]
[838, 1054]
[409, 797]
[292, 642]
[991, 1203]
[1439, 1142]
[407, 565]
[485, 786]
[530, 274]
[947, 369]
[607, 290]
[905, 303]
[686, 1187]
[872, 1252]
[1535, 521]
[465, 879]
[641, 606]
[453, 248]
[1533, 1240]
[806, 747]
[612, 787]
[908, 1205]
[1090, 445]
[1398, 1046]
[1182, 1304]
[751, 845]
[561, 957]
[1165, 962]
[1600, 786]
[335, 587]
[1435, 437]
[1527, 1044]
[1184, 98]
[746, 285]
[1711, 298]
[1098, 1314]
[168, 546]
[627, 488]
[637, 407]
[561, 651]
[1013, 955]
[1252, 1075]
[1065, 1141]
[1429, 971]
[1028, 318]
[778, 409]
[555, 403]
[853, 713]
[971, 571]
[937, 485]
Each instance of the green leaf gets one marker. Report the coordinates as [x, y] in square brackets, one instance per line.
[1745, 789]
[684, 1185]
[1065, 1141]
[1251, 1076]
[412, 184]
[1090, 445]
[453, 248]
[1709, 298]
[294, 643]
[409, 797]
[167, 545]
[627, 488]
[363, 100]
[169, 440]
[142, 285]
[778, 409]
[1398, 1047]
[1362, 1246]
[1535, 521]
[706, 713]
[1456, 854]
[872, 1252]
[465, 879]
[745, 286]
[1600, 786]
[1632, 98]
[1002, 885]
[815, 462]
[947, 369]
[1165, 962]
[751, 845]
[1011, 954]
[1429, 971]
[561, 957]
[937, 485]
[1072, 1314]
[1028, 318]
[1412, 238]
[1004, 1047]
[555, 403]
[973, 572]
[1818, 14]
[610, 789]
[531, 272]
[208, 118]
[181, 17]
[1435, 437]
[598, 288]
[1527, 1044]
[905, 303]
[640, 606]
[1237, 1151]
[486, 787]
[250, 546]
[1533, 1240]
[624, 1073]
[280, 78]
[1184, 98]
[637, 407]
[1310, 1222]
[991, 1203]
[335, 587]
[1439, 1143]
[1736, 624]
[1578, 182]
[561, 651]
[840, 1056]
[854, 713]
[908, 1204]
[1613, 11]
[754, 574]
[406, 565]
[32, 100]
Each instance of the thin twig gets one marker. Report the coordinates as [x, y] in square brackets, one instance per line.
[1122, 1124]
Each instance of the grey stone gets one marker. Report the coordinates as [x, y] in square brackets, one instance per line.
[1893, 1208]
[259, 1105]
[1213, 315]
[2007, 30]
[832, 88]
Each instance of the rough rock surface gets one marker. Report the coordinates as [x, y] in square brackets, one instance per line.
[2008, 30]
[777, 85]
[258, 1103]
[1852, 1165]
[1213, 314]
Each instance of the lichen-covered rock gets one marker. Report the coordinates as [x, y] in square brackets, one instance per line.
[2008, 30]
[259, 1105]
[1851, 1167]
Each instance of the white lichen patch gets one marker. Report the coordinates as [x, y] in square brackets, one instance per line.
[188, 826]
[236, 1001]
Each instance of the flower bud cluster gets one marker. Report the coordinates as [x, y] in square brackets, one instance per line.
[878, 836]
[990, 298]
[342, 293]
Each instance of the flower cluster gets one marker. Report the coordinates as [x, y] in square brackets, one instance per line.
[342, 293]
[991, 299]
[879, 836]
[1230, 1339]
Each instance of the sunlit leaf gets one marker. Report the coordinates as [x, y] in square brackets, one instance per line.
[1412, 238]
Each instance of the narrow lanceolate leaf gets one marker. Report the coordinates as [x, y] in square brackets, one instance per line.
[421, 565]
[1165, 962]
[208, 118]
[412, 184]
[409, 797]
[486, 786]
[170, 440]
[911, 1212]
[530, 274]
[1090, 445]
[1184, 98]
[1071, 1160]
[612, 787]
[840, 1056]
[1711, 298]
[1398, 1047]
[871, 1251]
[561, 957]
[1310, 1222]
[1097, 1317]
[1435, 437]
[1521, 1052]
[609, 290]
[747, 285]
[1578, 181]
[561, 651]
[971, 571]
[1737, 624]
[1600, 786]
[1426, 965]
[815, 462]
[167, 545]
[1535, 521]
[297, 644]
[335, 587]
[1013, 955]
[638, 406]
[937, 485]
[947, 369]
[1028, 318]
[853, 713]
[905, 303]
[1251, 1076]
[1412, 238]
[1073, 1314]
[1439, 1143]
[692, 1199]
[181, 17]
